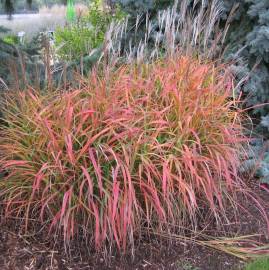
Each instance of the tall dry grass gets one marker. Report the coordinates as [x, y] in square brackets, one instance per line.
[194, 31]
[48, 19]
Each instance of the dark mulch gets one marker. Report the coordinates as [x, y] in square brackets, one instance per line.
[19, 254]
[34, 253]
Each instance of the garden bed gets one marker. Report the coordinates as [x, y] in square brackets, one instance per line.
[36, 252]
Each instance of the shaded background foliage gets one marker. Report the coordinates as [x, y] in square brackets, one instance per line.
[248, 40]
[134, 7]
[10, 6]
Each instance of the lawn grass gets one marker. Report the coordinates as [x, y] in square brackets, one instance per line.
[260, 264]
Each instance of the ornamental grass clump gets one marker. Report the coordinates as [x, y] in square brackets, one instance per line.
[139, 149]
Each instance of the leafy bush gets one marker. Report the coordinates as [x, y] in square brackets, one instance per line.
[150, 146]
[11, 39]
[78, 39]
[74, 41]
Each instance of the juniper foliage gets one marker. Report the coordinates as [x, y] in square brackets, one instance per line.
[138, 7]
[248, 41]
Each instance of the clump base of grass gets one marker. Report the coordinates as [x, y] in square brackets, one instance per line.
[144, 148]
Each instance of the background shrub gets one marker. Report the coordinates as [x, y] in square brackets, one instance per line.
[248, 35]
[139, 7]
[248, 39]
[80, 38]
[11, 39]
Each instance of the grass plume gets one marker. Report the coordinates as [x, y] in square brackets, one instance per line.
[143, 146]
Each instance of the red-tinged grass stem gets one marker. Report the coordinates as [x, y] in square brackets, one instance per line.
[159, 143]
